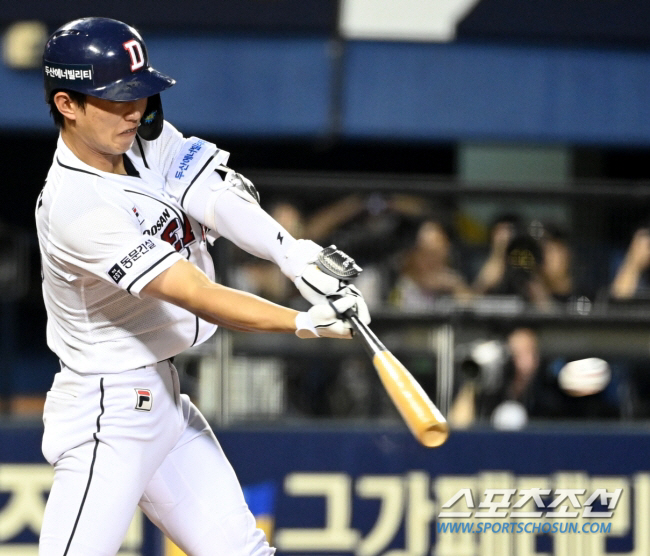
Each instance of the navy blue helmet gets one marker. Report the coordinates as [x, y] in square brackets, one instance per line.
[107, 59]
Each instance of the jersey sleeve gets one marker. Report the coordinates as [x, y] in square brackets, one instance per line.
[100, 237]
[195, 162]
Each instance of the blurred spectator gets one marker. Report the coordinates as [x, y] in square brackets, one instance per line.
[521, 383]
[538, 268]
[491, 274]
[557, 263]
[631, 286]
[382, 228]
[427, 273]
[630, 277]
[382, 225]
[523, 274]
[320, 226]
[514, 265]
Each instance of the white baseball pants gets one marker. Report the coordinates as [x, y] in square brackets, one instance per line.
[121, 440]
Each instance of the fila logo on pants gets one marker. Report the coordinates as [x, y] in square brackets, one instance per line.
[143, 399]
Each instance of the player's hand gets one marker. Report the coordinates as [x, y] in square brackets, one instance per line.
[322, 321]
[351, 295]
[319, 288]
[328, 278]
[326, 272]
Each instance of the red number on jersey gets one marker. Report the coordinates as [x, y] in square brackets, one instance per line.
[179, 234]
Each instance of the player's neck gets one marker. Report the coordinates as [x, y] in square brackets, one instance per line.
[111, 163]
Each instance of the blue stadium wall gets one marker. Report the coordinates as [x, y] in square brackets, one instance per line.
[253, 86]
[343, 492]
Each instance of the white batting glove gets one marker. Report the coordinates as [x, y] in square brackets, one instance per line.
[321, 321]
[327, 278]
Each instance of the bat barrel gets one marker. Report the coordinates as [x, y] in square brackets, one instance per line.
[435, 435]
[421, 415]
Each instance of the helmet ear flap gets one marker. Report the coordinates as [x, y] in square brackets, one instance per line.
[151, 123]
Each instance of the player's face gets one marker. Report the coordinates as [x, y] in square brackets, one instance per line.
[107, 127]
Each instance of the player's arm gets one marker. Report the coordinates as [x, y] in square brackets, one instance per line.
[105, 241]
[318, 273]
[228, 204]
[184, 284]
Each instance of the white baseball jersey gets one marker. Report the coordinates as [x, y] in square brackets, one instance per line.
[103, 237]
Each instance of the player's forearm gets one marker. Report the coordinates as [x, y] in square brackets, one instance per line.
[252, 229]
[240, 310]
[183, 284]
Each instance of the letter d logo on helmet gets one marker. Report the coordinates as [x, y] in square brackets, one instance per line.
[135, 51]
[107, 59]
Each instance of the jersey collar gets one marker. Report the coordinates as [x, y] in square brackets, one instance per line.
[66, 158]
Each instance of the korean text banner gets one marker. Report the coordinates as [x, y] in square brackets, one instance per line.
[377, 492]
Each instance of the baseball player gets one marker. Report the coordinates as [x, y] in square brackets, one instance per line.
[122, 222]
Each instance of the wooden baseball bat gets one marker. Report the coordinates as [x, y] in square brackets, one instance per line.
[420, 414]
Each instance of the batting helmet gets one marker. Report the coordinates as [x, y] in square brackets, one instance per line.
[107, 59]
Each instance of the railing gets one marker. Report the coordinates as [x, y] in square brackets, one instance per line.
[441, 337]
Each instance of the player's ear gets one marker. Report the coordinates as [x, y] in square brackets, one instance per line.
[66, 105]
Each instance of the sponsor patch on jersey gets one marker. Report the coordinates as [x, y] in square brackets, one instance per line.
[116, 273]
[187, 158]
[143, 399]
[135, 255]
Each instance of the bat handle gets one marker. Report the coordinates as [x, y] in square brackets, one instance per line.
[371, 344]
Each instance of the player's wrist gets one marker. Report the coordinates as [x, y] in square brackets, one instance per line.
[304, 326]
[298, 257]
